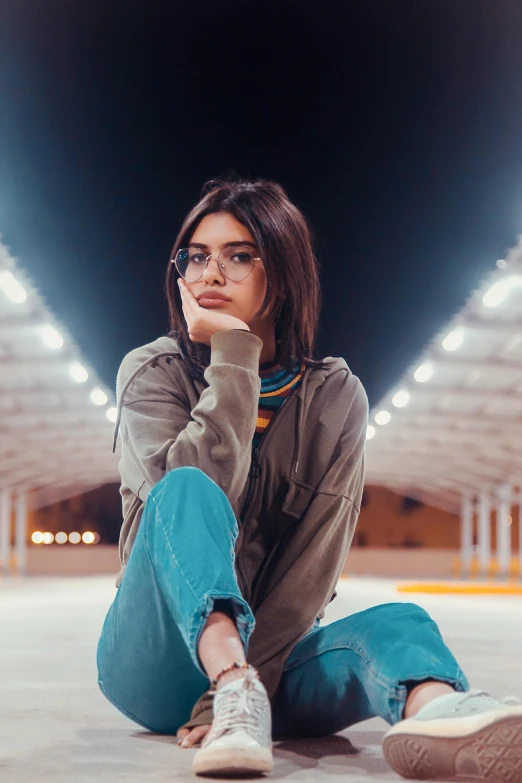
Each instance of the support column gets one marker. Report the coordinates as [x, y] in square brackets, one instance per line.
[5, 529]
[466, 533]
[484, 531]
[21, 532]
[504, 529]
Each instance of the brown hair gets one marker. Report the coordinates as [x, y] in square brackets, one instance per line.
[284, 241]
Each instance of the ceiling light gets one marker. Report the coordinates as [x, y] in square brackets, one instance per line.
[112, 414]
[423, 373]
[453, 340]
[78, 372]
[51, 337]
[383, 417]
[498, 291]
[12, 288]
[98, 397]
[401, 398]
[370, 432]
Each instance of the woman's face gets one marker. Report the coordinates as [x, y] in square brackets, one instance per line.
[247, 295]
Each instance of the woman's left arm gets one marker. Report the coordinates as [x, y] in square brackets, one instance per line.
[314, 554]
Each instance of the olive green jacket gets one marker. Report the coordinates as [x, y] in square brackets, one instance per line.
[296, 510]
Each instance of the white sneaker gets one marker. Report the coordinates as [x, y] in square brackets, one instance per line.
[459, 736]
[240, 739]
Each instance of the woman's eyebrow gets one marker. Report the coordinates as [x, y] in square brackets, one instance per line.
[238, 243]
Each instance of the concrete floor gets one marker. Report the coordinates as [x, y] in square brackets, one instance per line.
[56, 726]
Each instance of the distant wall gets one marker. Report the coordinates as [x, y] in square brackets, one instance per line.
[402, 563]
[68, 560]
[391, 520]
[82, 560]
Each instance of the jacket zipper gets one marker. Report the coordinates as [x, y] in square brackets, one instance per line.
[253, 474]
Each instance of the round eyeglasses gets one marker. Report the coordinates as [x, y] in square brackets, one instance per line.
[236, 263]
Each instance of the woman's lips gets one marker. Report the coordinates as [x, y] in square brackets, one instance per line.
[211, 302]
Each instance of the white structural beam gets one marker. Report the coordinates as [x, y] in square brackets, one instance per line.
[5, 529]
[466, 532]
[21, 532]
[504, 528]
[484, 530]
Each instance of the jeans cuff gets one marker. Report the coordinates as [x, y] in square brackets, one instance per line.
[458, 681]
[244, 620]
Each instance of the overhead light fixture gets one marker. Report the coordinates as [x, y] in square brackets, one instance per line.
[51, 336]
[112, 414]
[383, 417]
[78, 372]
[498, 291]
[98, 396]
[453, 340]
[370, 432]
[401, 398]
[423, 373]
[12, 288]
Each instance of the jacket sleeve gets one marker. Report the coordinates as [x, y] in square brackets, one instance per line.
[160, 432]
[311, 556]
[310, 559]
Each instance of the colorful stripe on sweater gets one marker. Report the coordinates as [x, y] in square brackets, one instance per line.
[277, 384]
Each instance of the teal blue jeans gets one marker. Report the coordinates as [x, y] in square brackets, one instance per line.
[181, 563]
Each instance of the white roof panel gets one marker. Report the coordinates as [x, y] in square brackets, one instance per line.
[54, 440]
[460, 430]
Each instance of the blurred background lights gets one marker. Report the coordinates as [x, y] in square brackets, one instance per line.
[112, 414]
[48, 538]
[423, 373]
[37, 537]
[78, 372]
[383, 417]
[12, 288]
[498, 291]
[75, 538]
[51, 337]
[370, 432]
[88, 537]
[98, 396]
[453, 340]
[61, 538]
[501, 263]
[401, 398]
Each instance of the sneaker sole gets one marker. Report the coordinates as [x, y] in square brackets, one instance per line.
[491, 751]
[232, 761]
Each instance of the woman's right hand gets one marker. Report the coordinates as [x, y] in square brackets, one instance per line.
[188, 738]
[202, 323]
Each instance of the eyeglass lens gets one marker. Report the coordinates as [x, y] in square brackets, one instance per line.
[234, 262]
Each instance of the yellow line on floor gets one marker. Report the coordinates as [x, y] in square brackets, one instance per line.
[461, 588]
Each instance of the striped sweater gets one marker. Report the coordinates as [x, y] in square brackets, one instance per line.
[277, 384]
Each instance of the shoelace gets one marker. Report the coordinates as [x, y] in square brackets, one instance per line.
[240, 710]
[507, 701]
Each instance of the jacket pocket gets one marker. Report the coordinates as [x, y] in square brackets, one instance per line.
[298, 498]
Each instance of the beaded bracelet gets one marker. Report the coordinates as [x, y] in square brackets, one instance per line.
[235, 665]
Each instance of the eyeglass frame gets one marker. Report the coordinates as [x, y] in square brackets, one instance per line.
[173, 261]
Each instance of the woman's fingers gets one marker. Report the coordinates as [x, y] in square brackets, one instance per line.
[188, 739]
